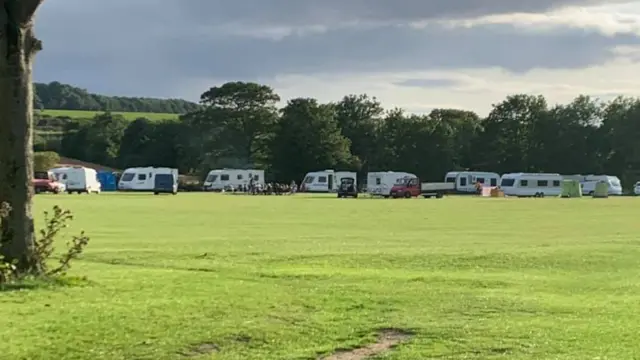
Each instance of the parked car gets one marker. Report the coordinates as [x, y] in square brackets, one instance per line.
[347, 188]
[45, 181]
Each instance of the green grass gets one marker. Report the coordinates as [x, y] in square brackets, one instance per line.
[79, 114]
[295, 277]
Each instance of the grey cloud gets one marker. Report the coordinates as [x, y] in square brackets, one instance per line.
[330, 12]
[429, 83]
[143, 50]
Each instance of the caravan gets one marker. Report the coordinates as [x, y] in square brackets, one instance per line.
[465, 181]
[144, 179]
[78, 179]
[380, 183]
[325, 181]
[531, 184]
[590, 181]
[220, 179]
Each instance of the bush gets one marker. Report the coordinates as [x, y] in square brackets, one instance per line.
[45, 160]
[44, 249]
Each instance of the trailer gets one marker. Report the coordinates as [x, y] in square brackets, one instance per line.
[222, 179]
[380, 183]
[466, 181]
[143, 179]
[325, 181]
[531, 184]
[78, 179]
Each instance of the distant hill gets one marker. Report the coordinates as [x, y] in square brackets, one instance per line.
[57, 96]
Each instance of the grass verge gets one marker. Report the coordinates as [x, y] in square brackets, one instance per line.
[244, 277]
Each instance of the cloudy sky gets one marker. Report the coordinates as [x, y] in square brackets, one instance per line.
[415, 54]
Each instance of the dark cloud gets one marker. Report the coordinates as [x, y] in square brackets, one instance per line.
[141, 48]
[328, 12]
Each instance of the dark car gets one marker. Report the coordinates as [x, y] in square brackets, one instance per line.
[347, 188]
[165, 183]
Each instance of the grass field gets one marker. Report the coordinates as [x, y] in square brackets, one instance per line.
[171, 277]
[78, 114]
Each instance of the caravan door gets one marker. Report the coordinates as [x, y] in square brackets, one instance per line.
[140, 182]
[330, 182]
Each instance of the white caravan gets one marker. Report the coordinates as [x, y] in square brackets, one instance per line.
[143, 178]
[325, 181]
[380, 183]
[219, 179]
[590, 181]
[78, 179]
[531, 184]
[466, 180]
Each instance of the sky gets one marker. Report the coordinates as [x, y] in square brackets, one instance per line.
[413, 54]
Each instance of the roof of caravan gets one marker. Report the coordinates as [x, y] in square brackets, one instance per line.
[530, 174]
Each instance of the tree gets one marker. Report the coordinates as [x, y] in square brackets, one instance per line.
[306, 138]
[359, 117]
[18, 47]
[242, 116]
[45, 160]
[104, 136]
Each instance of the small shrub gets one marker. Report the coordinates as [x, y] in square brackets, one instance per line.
[44, 244]
[44, 249]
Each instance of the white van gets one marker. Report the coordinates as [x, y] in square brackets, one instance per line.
[590, 181]
[466, 180]
[325, 181]
[78, 179]
[219, 179]
[531, 184]
[143, 178]
[380, 183]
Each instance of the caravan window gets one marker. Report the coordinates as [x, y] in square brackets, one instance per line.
[524, 182]
[450, 180]
[494, 182]
[543, 183]
[507, 182]
[239, 176]
[211, 178]
[556, 183]
[322, 179]
[256, 177]
[127, 177]
[142, 177]
[308, 179]
[480, 180]
[224, 177]
[463, 181]
[378, 181]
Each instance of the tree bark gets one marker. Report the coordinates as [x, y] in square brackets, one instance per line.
[18, 47]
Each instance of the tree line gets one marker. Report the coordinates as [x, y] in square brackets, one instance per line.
[239, 125]
[57, 96]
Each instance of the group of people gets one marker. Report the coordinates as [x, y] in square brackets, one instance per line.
[267, 189]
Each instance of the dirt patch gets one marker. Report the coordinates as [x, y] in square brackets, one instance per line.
[387, 340]
[201, 349]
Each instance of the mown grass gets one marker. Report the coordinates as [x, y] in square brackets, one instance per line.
[79, 114]
[297, 277]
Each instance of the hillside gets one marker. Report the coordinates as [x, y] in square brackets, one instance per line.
[88, 114]
[58, 96]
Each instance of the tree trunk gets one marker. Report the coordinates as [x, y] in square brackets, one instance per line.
[18, 46]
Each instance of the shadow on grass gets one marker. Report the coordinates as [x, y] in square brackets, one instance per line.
[32, 283]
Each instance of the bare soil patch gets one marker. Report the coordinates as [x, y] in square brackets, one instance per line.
[387, 340]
